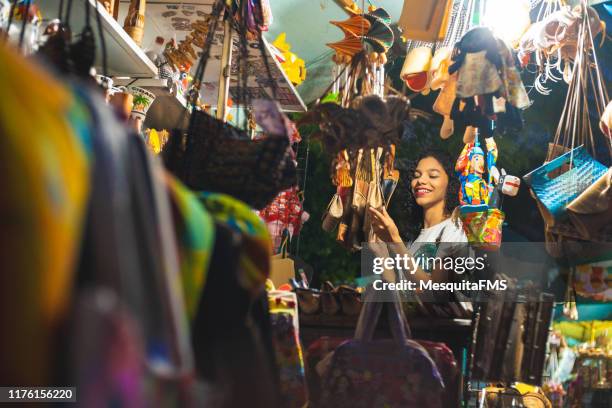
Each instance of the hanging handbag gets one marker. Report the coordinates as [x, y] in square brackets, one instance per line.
[555, 193]
[591, 211]
[333, 214]
[282, 268]
[375, 195]
[222, 158]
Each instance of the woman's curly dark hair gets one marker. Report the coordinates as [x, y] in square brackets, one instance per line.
[410, 219]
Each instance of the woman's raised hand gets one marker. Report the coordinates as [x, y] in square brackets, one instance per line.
[384, 226]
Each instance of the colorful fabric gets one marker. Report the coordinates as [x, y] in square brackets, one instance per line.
[288, 348]
[195, 236]
[45, 178]
[594, 280]
[284, 213]
[477, 76]
[484, 228]
[256, 245]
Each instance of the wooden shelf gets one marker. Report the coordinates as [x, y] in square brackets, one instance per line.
[343, 321]
[169, 110]
[172, 19]
[124, 57]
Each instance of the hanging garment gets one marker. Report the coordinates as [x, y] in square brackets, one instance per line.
[45, 177]
[106, 352]
[513, 89]
[477, 60]
[129, 247]
[195, 232]
[284, 213]
[231, 332]
[477, 76]
[257, 248]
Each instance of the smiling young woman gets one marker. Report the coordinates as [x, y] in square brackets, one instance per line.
[431, 204]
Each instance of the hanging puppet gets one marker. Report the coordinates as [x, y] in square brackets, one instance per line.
[480, 196]
[470, 166]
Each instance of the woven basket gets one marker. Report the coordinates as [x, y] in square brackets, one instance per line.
[556, 192]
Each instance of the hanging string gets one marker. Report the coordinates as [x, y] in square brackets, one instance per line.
[24, 23]
[68, 13]
[102, 41]
[303, 191]
[10, 19]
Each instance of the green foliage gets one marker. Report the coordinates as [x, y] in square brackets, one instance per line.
[317, 247]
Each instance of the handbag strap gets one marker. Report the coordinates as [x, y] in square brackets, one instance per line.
[218, 7]
[370, 314]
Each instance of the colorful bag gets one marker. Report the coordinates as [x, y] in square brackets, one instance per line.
[381, 373]
[439, 353]
[557, 192]
[594, 280]
[484, 228]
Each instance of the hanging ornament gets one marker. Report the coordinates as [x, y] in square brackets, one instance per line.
[356, 26]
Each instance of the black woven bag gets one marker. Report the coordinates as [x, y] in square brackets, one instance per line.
[222, 158]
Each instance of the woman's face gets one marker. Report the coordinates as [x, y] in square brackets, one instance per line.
[429, 182]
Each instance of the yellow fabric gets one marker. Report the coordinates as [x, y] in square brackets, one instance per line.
[294, 67]
[44, 177]
[584, 331]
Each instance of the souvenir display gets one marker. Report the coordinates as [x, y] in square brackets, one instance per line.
[135, 20]
[160, 164]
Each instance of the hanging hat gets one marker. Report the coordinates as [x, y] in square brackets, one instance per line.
[439, 67]
[415, 71]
